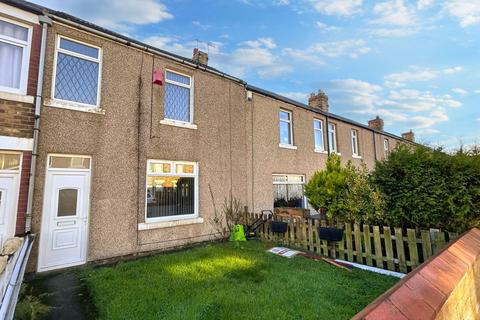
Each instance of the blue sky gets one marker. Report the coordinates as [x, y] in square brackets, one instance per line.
[414, 63]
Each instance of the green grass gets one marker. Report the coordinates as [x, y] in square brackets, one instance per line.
[227, 281]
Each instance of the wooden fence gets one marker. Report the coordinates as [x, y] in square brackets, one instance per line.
[394, 249]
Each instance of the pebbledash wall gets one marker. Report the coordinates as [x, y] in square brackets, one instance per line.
[234, 139]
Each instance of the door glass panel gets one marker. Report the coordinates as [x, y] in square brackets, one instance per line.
[9, 161]
[67, 202]
[69, 162]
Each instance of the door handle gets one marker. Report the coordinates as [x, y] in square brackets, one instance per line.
[65, 223]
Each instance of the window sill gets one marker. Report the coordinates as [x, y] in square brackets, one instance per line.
[356, 157]
[72, 106]
[169, 224]
[16, 97]
[320, 151]
[337, 153]
[178, 124]
[287, 146]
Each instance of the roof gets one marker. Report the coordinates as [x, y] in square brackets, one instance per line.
[38, 9]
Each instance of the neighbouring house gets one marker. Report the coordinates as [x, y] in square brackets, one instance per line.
[138, 145]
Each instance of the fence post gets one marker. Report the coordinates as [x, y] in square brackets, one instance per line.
[426, 245]
[348, 239]
[389, 248]
[368, 244]
[377, 241]
[412, 247]
[402, 263]
[358, 243]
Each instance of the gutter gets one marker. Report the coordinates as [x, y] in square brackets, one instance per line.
[9, 301]
[45, 21]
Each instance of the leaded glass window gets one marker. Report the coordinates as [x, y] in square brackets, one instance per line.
[77, 72]
[178, 97]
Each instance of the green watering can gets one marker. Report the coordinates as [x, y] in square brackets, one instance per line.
[238, 234]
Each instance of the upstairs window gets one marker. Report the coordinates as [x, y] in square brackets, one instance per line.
[77, 73]
[178, 97]
[14, 56]
[386, 147]
[332, 137]
[355, 149]
[172, 190]
[318, 135]
[285, 126]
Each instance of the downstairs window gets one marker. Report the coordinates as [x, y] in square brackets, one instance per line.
[288, 190]
[172, 190]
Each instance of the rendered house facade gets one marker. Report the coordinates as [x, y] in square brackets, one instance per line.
[138, 146]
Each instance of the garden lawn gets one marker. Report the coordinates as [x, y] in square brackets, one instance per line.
[229, 281]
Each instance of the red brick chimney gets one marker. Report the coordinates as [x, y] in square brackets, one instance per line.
[376, 123]
[200, 56]
[318, 100]
[410, 136]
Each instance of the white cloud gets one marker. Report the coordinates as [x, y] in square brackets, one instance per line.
[424, 4]
[325, 27]
[267, 42]
[460, 91]
[303, 55]
[297, 96]
[412, 76]
[338, 7]
[467, 12]
[115, 14]
[394, 12]
[453, 70]
[201, 25]
[282, 2]
[477, 91]
[352, 48]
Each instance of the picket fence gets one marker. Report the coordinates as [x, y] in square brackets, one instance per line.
[394, 249]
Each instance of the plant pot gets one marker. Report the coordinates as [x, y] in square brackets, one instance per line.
[278, 226]
[330, 234]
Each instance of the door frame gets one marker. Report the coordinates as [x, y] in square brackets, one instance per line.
[17, 176]
[45, 219]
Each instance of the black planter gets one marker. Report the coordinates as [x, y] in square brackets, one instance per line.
[330, 234]
[278, 226]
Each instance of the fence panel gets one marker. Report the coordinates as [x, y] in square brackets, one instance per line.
[372, 245]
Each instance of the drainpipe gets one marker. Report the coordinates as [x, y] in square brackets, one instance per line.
[45, 21]
[328, 135]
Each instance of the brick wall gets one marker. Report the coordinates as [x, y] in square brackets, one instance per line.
[16, 119]
[23, 193]
[447, 286]
[34, 60]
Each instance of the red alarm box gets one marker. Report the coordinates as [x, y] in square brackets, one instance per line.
[158, 77]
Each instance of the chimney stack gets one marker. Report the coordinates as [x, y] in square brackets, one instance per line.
[200, 56]
[376, 123]
[318, 100]
[410, 136]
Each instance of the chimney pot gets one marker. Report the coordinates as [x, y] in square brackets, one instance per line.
[376, 123]
[410, 136]
[200, 56]
[318, 100]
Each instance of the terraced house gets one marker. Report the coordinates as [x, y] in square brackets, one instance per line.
[137, 145]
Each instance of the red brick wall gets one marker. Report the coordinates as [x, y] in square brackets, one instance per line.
[447, 286]
[34, 60]
[16, 119]
[23, 193]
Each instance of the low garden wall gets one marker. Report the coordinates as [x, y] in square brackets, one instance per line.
[447, 286]
[389, 248]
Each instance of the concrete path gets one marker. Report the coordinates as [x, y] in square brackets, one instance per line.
[65, 294]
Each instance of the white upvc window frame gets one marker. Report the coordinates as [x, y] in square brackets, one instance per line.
[332, 143]
[67, 104]
[188, 124]
[290, 129]
[386, 147]
[305, 202]
[318, 148]
[63, 155]
[26, 47]
[173, 173]
[355, 143]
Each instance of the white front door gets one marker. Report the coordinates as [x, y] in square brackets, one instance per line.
[64, 231]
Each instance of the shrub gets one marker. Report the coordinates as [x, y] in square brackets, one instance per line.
[345, 192]
[427, 188]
